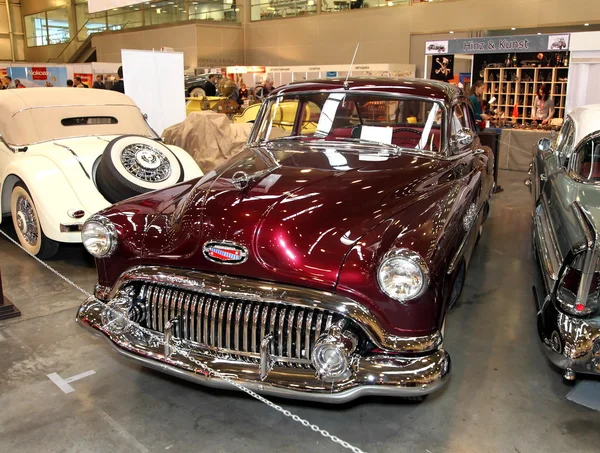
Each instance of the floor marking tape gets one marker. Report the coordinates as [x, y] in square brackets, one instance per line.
[63, 384]
[123, 432]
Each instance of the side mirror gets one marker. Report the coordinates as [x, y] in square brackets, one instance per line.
[544, 144]
[463, 137]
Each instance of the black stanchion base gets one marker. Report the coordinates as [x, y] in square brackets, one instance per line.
[8, 310]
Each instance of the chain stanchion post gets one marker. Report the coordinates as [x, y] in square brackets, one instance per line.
[7, 309]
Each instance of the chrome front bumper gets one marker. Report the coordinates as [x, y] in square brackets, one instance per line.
[390, 375]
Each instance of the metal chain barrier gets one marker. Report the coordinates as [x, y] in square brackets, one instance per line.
[208, 369]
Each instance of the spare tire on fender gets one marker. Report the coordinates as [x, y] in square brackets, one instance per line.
[131, 165]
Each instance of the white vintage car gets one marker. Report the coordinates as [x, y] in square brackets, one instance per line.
[66, 154]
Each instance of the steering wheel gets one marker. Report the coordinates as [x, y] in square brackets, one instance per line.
[414, 131]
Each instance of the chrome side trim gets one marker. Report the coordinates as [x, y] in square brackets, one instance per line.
[252, 290]
[547, 248]
[76, 157]
[378, 375]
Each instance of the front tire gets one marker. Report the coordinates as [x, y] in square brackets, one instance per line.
[27, 224]
[197, 92]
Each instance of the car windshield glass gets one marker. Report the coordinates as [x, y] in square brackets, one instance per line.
[40, 124]
[361, 118]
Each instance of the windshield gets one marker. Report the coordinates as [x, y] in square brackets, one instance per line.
[405, 122]
[40, 124]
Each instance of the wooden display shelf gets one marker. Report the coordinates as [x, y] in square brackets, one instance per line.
[507, 91]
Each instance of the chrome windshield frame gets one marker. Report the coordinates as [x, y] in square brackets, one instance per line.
[443, 152]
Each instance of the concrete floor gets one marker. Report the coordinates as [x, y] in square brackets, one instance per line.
[503, 395]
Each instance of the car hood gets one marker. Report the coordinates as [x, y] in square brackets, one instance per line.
[298, 219]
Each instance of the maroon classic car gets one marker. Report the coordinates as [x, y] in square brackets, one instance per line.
[320, 262]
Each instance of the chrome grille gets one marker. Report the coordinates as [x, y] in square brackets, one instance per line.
[234, 325]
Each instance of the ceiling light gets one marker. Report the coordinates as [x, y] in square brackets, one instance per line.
[390, 3]
[586, 25]
[451, 32]
[513, 28]
[158, 11]
[153, 6]
[539, 33]
[311, 2]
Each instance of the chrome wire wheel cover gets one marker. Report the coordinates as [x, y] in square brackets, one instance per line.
[27, 221]
[145, 163]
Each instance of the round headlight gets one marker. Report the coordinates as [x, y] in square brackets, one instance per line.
[99, 236]
[403, 275]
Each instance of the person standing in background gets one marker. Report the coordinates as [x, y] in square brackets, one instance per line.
[79, 83]
[209, 87]
[119, 85]
[99, 83]
[544, 105]
[263, 90]
[70, 83]
[18, 84]
[477, 91]
[7, 83]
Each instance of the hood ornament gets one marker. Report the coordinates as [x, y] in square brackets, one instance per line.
[225, 252]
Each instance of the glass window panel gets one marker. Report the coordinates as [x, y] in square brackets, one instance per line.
[344, 5]
[275, 9]
[58, 26]
[35, 30]
[127, 17]
[88, 23]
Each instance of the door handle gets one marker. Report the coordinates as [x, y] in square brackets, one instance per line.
[543, 177]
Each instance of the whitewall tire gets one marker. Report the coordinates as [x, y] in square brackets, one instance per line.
[131, 165]
[197, 92]
[27, 224]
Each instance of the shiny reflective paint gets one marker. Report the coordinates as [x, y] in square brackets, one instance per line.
[321, 219]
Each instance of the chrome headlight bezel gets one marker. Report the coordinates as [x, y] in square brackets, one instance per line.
[410, 257]
[110, 231]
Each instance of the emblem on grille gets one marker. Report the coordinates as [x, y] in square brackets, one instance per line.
[225, 252]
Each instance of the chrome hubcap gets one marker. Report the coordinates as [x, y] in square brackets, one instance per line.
[146, 163]
[26, 221]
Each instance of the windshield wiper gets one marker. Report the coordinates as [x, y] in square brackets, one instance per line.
[369, 142]
[289, 137]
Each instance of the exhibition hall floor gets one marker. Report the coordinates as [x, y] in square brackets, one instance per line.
[502, 396]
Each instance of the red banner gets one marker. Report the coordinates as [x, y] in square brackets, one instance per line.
[87, 79]
[3, 72]
[39, 74]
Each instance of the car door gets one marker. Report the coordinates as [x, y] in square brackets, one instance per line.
[474, 166]
[554, 188]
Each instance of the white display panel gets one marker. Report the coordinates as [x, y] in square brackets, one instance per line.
[154, 80]
[95, 6]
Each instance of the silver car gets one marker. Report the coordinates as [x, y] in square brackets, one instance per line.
[565, 181]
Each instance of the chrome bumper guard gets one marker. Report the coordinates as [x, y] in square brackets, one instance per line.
[575, 344]
[390, 375]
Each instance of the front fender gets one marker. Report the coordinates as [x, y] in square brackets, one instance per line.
[52, 194]
[431, 228]
[191, 170]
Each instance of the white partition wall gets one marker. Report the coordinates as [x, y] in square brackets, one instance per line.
[584, 72]
[154, 80]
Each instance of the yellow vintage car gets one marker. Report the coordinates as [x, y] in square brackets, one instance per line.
[219, 104]
[284, 115]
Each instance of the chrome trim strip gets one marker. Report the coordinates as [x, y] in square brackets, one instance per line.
[299, 321]
[290, 331]
[228, 327]
[238, 323]
[76, 157]
[255, 320]
[396, 375]
[309, 317]
[253, 290]
[247, 312]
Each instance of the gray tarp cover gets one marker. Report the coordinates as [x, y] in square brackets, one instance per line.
[209, 137]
